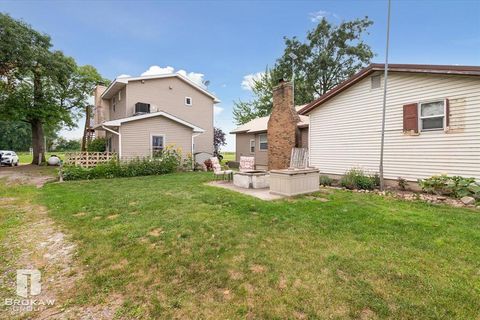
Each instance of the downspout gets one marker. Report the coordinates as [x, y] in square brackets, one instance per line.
[119, 140]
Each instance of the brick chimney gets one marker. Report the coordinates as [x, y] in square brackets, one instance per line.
[283, 133]
[101, 109]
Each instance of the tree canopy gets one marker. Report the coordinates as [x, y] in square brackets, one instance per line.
[38, 85]
[329, 55]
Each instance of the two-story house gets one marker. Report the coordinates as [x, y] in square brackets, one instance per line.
[140, 116]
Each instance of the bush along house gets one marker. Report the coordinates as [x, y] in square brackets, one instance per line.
[432, 122]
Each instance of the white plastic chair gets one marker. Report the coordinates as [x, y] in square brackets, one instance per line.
[218, 172]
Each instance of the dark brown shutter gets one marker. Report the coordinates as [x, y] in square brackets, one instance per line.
[447, 110]
[410, 118]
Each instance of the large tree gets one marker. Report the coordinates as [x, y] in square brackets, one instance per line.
[329, 55]
[38, 85]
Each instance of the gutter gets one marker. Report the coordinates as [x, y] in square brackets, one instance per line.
[119, 140]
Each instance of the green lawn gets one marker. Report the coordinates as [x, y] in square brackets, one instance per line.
[26, 157]
[173, 247]
[228, 156]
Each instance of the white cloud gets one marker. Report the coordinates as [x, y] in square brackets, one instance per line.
[223, 85]
[157, 70]
[123, 76]
[217, 110]
[321, 14]
[195, 77]
[249, 80]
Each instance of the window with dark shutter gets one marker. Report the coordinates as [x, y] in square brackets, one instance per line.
[410, 118]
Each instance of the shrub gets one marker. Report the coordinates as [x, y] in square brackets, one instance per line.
[97, 145]
[357, 179]
[168, 162]
[455, 186]
[402, 183]
[326, 181]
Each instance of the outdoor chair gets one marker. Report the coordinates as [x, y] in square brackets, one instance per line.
[247, 164]
[299, 158]
[218, 171]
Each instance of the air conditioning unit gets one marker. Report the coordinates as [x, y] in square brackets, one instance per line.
[142, 108]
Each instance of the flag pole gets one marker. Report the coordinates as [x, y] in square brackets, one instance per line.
[382, 144]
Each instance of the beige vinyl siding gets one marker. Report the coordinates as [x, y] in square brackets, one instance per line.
[345, 131]
[120, 106]
[261, 156]
[168, 94]
[136, 136]
[242, 145]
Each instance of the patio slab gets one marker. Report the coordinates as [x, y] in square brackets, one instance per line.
[263, 194]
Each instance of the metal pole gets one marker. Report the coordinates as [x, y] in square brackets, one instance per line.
[382, 145]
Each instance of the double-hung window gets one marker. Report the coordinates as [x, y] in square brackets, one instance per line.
[158, 143]
[252, 146]
[262, 142]
[432, 115]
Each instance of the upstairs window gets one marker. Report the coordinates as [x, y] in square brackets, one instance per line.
[188, 101]
[262, 142]
[432, 115]
[113, 104]
[158, 142]
[252, 146]
[376, 82]
[119, 95]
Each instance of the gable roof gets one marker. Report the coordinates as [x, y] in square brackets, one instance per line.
[119, 122]
[120, 83]
[412, 68]
[261, 124]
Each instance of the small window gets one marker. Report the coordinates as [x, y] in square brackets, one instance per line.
[252, 146]
[432, 115]
[114, 107]
[157, 145]
[188, 101]
[262, 142]
[376, 81]
[119, 95]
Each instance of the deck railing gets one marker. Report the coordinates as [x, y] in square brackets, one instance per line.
[88, 159]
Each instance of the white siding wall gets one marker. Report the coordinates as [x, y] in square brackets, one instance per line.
[345, 131]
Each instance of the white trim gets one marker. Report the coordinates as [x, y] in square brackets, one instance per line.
[151, 141]
[119, 122]
[420, 117]
[191, 101]
[309, 142]
[160, 76]
[259, 142]
[250, 146]
[119, 140]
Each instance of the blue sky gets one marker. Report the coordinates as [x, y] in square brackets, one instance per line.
[228, 40]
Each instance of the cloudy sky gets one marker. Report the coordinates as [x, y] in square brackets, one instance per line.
[229, 43]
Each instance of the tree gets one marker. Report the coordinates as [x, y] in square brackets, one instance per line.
[329, 55]
[38, 86]
[62, 144]
[17, 136]
[219, 139]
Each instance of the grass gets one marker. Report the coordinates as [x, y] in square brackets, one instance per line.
[27, 157]
[228, 156]
[174, 248]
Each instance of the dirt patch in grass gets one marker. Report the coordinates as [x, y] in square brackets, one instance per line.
[28, 174]
[39, 244]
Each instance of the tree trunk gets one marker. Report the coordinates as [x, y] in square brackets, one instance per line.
[85, 130]
[38, 142]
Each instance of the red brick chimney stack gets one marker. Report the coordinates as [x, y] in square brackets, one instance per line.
[283, 132]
